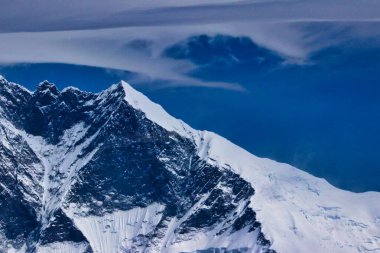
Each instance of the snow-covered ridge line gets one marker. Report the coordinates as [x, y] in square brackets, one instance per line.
[298, 212]
[155, 112]
[3, 80]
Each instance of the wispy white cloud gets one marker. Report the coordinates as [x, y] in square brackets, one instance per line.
[98, 33]
[108, 48]
[52, 15]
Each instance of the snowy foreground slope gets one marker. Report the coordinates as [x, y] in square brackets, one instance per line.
[113, 172]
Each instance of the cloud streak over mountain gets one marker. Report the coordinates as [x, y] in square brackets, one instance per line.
[97, 33]
[60, 15]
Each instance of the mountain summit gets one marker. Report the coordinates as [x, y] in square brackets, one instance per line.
[113, 172]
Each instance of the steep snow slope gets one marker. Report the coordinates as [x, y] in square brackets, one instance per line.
[60, 247]
[115, 232]
[298, 212]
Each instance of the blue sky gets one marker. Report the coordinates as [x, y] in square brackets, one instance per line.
[300, 87]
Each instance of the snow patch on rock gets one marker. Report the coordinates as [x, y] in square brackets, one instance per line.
[63, 247]
[117, 231]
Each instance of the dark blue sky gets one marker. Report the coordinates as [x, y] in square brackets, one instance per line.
[322, 116]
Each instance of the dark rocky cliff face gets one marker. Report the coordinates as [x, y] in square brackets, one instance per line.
[90, 155]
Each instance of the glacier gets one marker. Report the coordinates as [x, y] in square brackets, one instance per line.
[114, 172]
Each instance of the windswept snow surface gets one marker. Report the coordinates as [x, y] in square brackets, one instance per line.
[117, 231]
[121, 231]
[298, 212]
[63, 247]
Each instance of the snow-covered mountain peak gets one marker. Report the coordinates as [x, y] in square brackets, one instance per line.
[46, 85]
[71, 89]
[114, 172]
[155, 112]
[10, 85]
